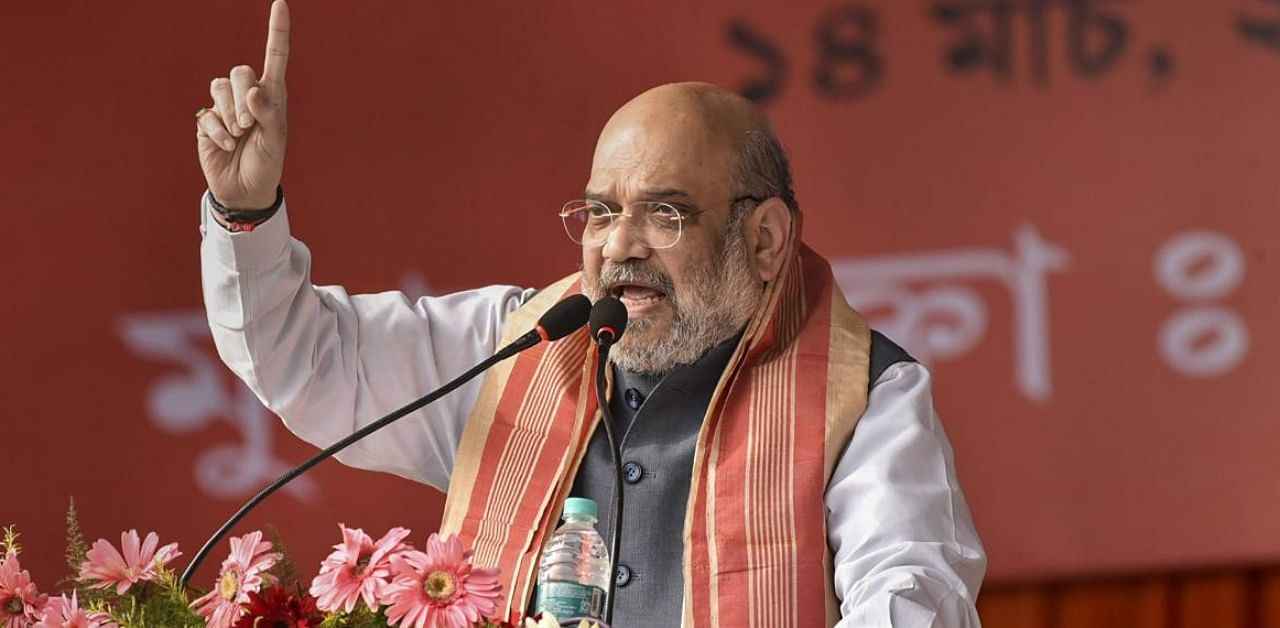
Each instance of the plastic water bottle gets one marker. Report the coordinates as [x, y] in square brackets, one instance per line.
[573, 579]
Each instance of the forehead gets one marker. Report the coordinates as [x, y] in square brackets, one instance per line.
[652, 154]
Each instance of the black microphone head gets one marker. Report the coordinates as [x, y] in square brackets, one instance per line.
[608, 319]
[565, 317]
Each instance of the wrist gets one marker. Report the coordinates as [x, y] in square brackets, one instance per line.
[254, 205]
[238, 220]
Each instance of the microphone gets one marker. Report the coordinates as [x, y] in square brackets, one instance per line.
[561, 320]
[607, 322]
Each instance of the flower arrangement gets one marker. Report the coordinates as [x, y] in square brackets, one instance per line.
[363, 583]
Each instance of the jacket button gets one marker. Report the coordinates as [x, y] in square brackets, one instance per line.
[633, 398]
[632, 472]
[623, 576]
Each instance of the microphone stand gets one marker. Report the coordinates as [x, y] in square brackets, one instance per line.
[604, 342]
[524, 342]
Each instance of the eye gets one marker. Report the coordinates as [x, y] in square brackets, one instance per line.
[668, 212]
[598, 215]
[598, 210]
[666, 216]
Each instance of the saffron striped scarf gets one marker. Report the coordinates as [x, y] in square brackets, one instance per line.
[755, 537]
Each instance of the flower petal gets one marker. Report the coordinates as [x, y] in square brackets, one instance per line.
[130, 545]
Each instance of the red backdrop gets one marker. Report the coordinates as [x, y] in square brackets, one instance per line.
[1065, 208]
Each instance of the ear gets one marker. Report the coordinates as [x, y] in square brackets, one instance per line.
[768, 229]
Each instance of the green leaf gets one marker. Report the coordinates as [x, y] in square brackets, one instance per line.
[10, 543]
[284, 570]
[77, 549]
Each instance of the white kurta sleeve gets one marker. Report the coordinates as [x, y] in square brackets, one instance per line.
[906, 551]
[329, 363]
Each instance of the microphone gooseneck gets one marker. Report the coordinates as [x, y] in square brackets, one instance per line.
[607, 322]
[559, 321]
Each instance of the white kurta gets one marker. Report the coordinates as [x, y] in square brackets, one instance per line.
[906, 553]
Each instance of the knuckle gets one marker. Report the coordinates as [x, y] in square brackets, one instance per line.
[211, 121]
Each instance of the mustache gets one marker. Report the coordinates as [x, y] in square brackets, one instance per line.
[633, 271]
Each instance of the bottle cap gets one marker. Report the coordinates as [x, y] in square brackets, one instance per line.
[580, 506]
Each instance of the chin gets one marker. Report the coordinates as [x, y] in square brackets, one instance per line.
[639, 333]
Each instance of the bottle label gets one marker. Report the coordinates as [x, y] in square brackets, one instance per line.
[571, 600]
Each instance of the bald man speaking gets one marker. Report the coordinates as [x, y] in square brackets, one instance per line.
[784, 463]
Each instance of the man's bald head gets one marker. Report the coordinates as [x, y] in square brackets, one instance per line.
[701, 128]
[692, 107]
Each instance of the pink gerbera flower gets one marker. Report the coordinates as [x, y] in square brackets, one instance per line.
[63, 613]
[140, 562]
[440, 588]
[20, 602]
[357, 568]
[242, 573]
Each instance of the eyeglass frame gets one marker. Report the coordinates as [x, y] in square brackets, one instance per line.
[683, 213]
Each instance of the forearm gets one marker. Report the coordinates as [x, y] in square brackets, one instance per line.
[328, 362]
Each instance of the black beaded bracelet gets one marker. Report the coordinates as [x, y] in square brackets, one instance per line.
[251, 216]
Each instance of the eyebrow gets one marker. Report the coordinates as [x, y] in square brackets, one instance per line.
[658, 193]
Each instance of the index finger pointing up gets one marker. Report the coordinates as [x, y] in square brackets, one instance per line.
[277, 44]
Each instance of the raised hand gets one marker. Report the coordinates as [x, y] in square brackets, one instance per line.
[241, 138]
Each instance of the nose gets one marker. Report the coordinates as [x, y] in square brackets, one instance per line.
[623, 242]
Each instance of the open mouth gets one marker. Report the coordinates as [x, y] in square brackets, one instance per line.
[637, 294]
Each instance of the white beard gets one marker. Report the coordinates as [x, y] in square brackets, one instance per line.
[720, 298]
